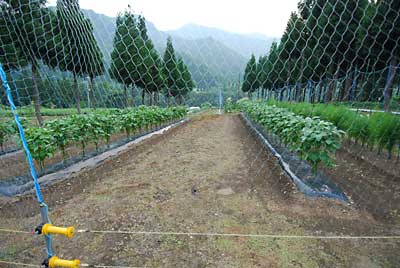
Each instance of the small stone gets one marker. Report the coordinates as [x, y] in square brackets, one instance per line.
[225, 191]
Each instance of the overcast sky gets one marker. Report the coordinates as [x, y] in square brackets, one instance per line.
[242, 16]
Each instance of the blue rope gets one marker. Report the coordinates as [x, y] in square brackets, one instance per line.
[44, 211]
[21, 134]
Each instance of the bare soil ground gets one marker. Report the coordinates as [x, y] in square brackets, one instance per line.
[372, 181]
[209, 175]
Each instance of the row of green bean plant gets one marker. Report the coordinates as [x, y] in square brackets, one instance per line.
[380, 131]
[81, 130]
[29, 111]
[6, 131]
[313, 139]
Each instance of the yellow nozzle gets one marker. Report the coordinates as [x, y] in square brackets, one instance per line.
[57, 262]
[50, 229]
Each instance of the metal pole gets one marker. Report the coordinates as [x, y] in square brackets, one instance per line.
[88, 92]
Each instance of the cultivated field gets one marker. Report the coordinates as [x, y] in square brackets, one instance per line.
[209, 175]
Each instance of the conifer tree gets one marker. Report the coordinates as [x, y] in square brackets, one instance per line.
[292, 44]
[184, 83]
[26, 38]
[332, 27]
[150, 63]
[170, 70]
[155, 80]
[124, 56]
[189, 83]
[250, 82]
[261, 73]
[384, 41]
[81, 55]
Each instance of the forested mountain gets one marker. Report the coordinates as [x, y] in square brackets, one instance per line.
[211, 61]
[244, 44]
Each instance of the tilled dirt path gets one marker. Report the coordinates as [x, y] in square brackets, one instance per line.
[209, 175]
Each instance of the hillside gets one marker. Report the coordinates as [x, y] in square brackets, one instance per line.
[210, 61]
[213, 56]
[244, 44]
[104, 29]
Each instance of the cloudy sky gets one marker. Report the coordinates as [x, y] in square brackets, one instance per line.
[242, 16]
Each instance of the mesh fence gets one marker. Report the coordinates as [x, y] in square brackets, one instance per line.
[71, 87]
[325, 96]
[333, 51]
[337, 61]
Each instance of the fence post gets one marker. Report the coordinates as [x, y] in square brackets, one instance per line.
[353, 85]
[324, 88]
[310, 92]
[387, 93]
[16, 89]
[321, 85]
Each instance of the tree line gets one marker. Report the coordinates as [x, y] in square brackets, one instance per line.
[327, 40]
[136, 63]
[32, 35]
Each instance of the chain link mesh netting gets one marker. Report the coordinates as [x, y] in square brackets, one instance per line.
[333, 51]
[80, 81]
[339, 61]
[60, 62]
